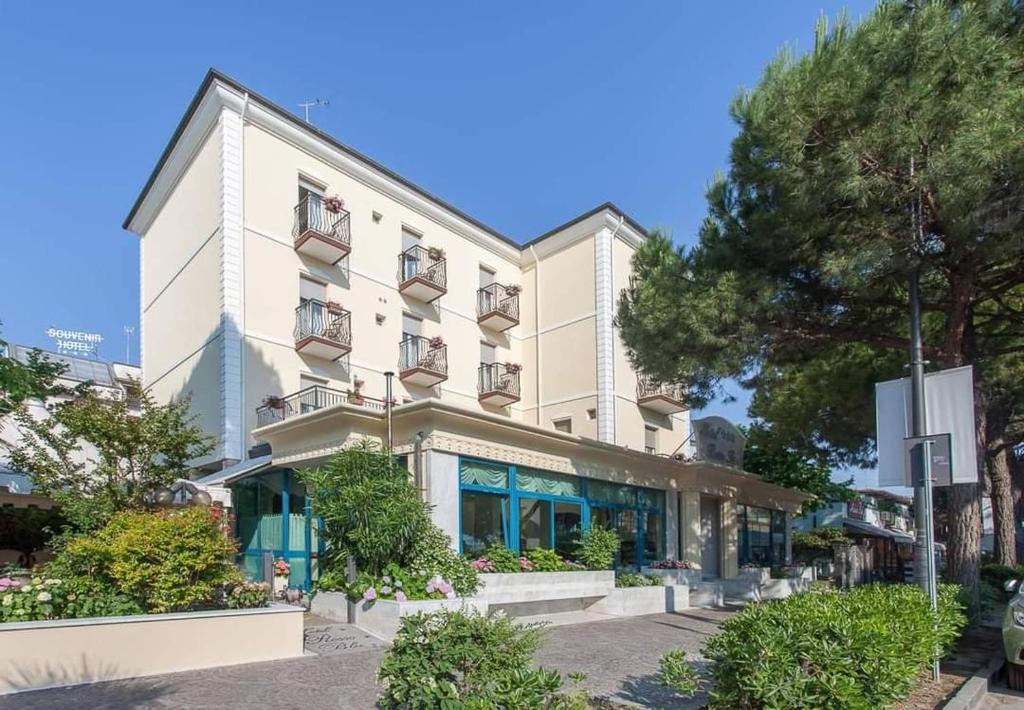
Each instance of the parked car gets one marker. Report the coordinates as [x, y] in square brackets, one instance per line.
[1013, 635]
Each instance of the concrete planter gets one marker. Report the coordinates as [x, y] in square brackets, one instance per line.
[47, 654]
[539, 586]
[689, 577]
[637, 601]
[383, 616]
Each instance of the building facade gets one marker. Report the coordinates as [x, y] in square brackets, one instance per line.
[284, 274]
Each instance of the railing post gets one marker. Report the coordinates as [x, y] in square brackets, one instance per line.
[387, 405]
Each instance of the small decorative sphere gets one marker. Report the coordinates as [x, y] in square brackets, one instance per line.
[163, 496]
[201, 498]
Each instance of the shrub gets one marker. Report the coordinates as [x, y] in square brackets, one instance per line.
[502, 559]
[46, 597]
[857, 649]
[997, 575]
[247, 595]
[631, 579]
[432, 554]
[369, 507]
[598, 547]
[455, 659]
[165, 561]
[672, 564]
[401, 585]
[546, 560]
[677, 674]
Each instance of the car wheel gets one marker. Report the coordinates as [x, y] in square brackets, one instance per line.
[1015, 676]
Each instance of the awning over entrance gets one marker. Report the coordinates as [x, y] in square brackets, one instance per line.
[240, 470]
[863, 528]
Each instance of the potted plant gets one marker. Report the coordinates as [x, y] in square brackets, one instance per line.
[273, 401]
[513, 290]
[334, 204]
[436, 342]
[435, 253]
[354, 394]
[334, 307]
[282, 570]
[513, 368]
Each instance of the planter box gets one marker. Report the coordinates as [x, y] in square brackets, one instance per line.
[381, 618]
[637, 601]
[47, 654]
[689, 577]
[518, 588]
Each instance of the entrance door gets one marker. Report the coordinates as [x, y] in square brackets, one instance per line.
[710, 533]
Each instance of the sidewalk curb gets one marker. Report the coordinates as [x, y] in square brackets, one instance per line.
[973, 692]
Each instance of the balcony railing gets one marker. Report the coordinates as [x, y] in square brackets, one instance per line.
[422, 273]
[310, 399]
[322, 329]
[660, 397]
[497, 307]
[422, 361]
[321, 231]
[498, 384]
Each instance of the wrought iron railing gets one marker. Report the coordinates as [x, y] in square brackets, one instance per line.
[311, 215]
[310, 399]
[423, 263]
[314, 318]
[497, 298]
[497, 378]
[648, 387]
[416, 351]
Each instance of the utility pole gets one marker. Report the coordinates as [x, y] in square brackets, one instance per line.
[924, 533]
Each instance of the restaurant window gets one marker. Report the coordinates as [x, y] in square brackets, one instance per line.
[650, 439]
[762, 536]
[484, 521]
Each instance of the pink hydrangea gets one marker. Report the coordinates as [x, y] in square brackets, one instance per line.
[370, 594]
[400, 596]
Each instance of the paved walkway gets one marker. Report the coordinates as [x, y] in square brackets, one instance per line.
[620, 658]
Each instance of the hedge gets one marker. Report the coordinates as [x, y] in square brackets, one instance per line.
[858, 649]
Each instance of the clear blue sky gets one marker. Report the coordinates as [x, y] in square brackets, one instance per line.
[522, 114]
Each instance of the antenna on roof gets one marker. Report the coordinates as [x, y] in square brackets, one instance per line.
[313, 104]
[128, 330]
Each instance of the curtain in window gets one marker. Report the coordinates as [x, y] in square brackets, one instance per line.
[611, 492]
[483, 474]
[533, 481]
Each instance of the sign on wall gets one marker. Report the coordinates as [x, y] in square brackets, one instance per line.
[75, 342]
[719, 440]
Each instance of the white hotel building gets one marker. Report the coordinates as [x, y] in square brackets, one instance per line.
[280, 309]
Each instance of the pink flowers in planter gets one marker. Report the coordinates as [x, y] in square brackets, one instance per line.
[370, 594]
[437, 584]
[525, 565]
[483, 564]
[282, 568]
[672, 564]
[400, 596]
[6, 583]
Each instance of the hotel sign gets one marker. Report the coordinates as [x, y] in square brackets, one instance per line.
[75, 342]
[719, 440]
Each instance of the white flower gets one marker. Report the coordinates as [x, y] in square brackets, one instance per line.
[19, 611]
[37, 580]
[44, 596]
[27, 588]
[8, 599]
[52, 582]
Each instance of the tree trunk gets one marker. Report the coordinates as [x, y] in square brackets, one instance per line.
[963, 551]
[997, 466]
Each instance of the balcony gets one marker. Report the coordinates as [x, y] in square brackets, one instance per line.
[660, 398]
[322, 330]
[498, 384]
[321, 229]
[422, 273]
[497, 307]
[277, 409]
[422, 361]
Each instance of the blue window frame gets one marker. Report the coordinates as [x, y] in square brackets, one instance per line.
[525, 508]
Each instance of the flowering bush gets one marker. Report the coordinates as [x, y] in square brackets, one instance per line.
[247, 595]
[672, 564]
[482, 564]
[400, 585]
[36, 600]
[432, 554]
[631, 579]
[334, 204]
[598, 547]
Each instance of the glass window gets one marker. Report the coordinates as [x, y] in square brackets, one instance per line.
[755, 535]
[568, 525]
[778, 537]
[563, 425]
[529, 479]
[602, 517]
[627, 534]
[650, 439]
[478, 473]
[483, 521]
[611, 492]
[654, 535]
[534, 524]
[650, 498]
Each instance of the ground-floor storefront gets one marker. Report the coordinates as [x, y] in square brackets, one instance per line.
[493, 481]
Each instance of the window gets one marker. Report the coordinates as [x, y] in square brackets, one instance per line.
[486, 276]
[762, 536]
[308, 396]
[487, 354]
[411, 260]
[563, 425]
[309, 214]
[534, 524]
[411, 326]
[313, 312]
[591, 414]
[483, 521]
[650, 439]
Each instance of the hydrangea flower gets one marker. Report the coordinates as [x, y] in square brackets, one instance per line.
[44, 596]
[370, 594]
[27, 588]
[8, 599]
[385, 590]
[400, 596]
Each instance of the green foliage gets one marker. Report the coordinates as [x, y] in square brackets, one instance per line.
[48, 597]
[997, 575]
[135, 451]
[166, 561]
[598, 547]
[331, 580]
[783, 465]
[858, 649]
[369, 507]
[820, 538]
[432, 554]
[546, 561]
[454, 659]
[632, 579]
[503, 559]
[24, 381]
[399, 584]
[247, 595]
[676, 673]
